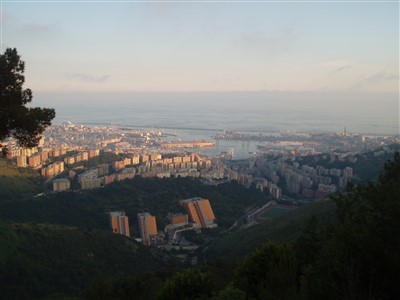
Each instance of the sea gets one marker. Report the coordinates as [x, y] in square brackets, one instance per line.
[202, 115]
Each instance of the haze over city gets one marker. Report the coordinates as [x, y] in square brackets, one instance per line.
[268, 65]
[205, 149]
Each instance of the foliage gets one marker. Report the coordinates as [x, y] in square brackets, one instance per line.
[286, 228]
[269, 273]
[360, 258]
[41, 260]
[350, 255]
[354, 257]
[157, 196]
[141, 287]
[16, 120]
[18, 183]
[188, 284]
[230, 293]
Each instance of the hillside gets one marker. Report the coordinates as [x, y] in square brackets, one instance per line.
[157, 196]
[285, 228]
[18, 183]
[38, 260]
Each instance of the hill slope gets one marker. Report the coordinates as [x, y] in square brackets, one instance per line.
[282, 229]
[38, 260]
[157, 196]
[18, 183]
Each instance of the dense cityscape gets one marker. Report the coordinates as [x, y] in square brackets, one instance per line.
[291, 168]
[199, 150]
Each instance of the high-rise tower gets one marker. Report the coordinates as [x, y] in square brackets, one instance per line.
[147, 227]
[200, 212]
[119, 223]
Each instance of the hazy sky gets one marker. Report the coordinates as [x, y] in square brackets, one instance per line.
[108, 46]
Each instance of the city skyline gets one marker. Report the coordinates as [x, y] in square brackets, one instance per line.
[174, 46]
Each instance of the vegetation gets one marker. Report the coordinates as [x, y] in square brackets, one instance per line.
[157, 196]
[285, 228]
[359, 258]
[355, 257]
[38, 260]
[16, 120]
[347, 249]
[269, 273]
[190, 283]
[18, 183]
[368, 166]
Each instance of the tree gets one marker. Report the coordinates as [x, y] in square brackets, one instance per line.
[16, 120]
[188, 284]
[268, 273]
[360, 258]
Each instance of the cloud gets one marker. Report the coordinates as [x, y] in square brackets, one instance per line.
[88, 78]
[377, 78]
[336, 64]
[340, 69]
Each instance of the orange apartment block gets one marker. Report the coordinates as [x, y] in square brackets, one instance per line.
[85, 156]
[143, 158]
[109, 179]
[55, 153]
[11, 153]
[147, 227]
[69, 160]
[135, 160]
[155, 157]
[127, 161]
[167, 160]
[78, 157]
[44, 155]
[177, 159]
[93, 153]
[119, 223]
[47, 172]
[123, 176]
[179, 219]
[53, 169]
[119, 165]
[34, 161]
[200, 212]
[186, 159]
[22, 161]
[61, 184]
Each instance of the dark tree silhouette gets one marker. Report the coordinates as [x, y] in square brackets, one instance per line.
[16, 120]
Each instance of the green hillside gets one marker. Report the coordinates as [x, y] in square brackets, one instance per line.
[285, 228]
[157, 196]
[18, 183]
[38, 260]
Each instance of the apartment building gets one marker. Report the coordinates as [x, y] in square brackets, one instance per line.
[119, 223]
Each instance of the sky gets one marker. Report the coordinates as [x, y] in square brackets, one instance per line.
[160, 46]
